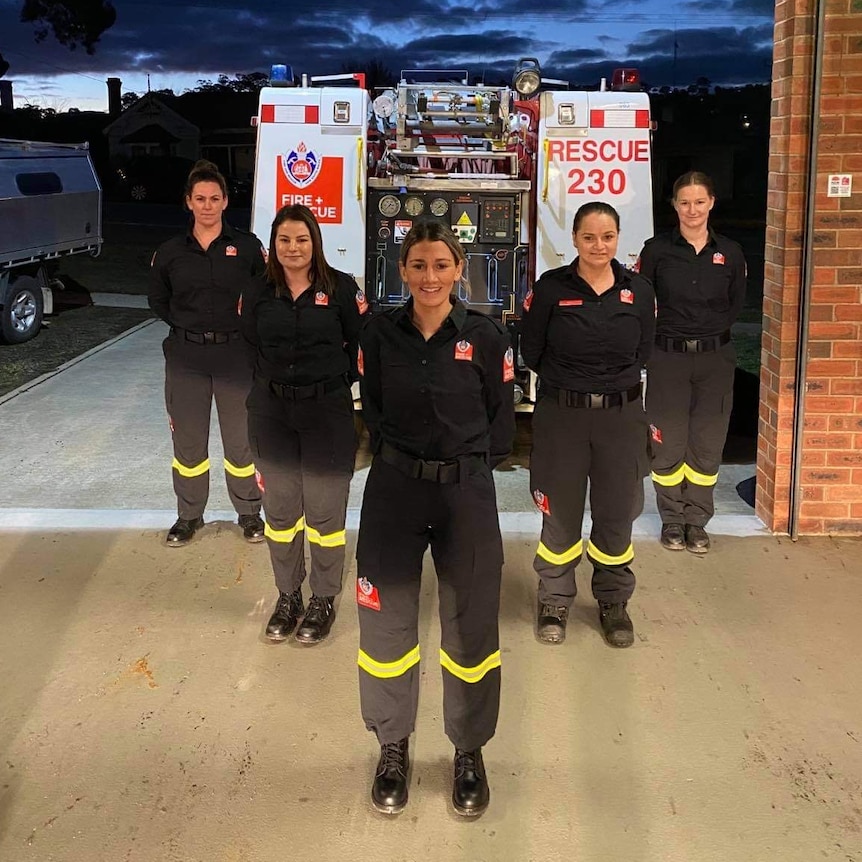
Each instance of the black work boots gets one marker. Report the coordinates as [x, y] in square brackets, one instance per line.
[183, 532]
[389, 790]
[317, 621]
[288, 610]
[470, 792]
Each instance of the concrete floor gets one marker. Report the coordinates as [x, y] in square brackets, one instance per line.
[143, 718]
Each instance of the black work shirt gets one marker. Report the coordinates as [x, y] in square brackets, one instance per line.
[306, 340]
[199, 290]
[450, 396]
[575, 339]
[699, 294]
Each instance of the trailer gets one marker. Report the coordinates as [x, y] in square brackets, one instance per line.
[504, 167]
[50, 207]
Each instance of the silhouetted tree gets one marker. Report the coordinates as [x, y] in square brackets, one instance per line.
[73, 23]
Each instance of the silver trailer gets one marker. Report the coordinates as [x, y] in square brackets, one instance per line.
[50, 206]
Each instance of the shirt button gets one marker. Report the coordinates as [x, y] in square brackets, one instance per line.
[424, 361]
[423, 390]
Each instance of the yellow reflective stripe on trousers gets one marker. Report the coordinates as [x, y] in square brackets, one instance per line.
[388, 669]
[699, 478]
[670, 479]
[601, 557]
[285, 536]
[239, 472]
[330, 540]
[560, 559]
[191, 472]
[470, 674]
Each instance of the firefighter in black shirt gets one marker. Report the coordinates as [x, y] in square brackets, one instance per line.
[437, 396]
[196, 282]
[303, 321]
[699, 281]
[587, 331]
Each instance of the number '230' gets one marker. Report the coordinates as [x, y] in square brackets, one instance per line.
[597, 182]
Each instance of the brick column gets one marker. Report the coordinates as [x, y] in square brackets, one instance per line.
[831, 478]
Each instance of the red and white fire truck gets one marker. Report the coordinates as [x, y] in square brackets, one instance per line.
[505, 167]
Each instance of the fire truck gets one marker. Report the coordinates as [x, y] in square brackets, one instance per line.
[505, 167]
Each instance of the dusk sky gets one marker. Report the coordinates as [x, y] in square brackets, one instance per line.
[727, 41]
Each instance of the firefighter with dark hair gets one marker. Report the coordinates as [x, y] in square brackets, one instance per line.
[699, 278]
[587, 331]
[437, 396]
[302, 320]
[196, 281]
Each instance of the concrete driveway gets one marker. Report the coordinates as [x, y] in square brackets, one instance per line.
[143, 717]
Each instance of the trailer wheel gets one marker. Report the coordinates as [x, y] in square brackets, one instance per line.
[23, 307]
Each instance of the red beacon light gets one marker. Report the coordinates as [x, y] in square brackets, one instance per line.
[626, 80]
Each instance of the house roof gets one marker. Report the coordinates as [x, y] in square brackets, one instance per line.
[150, 134]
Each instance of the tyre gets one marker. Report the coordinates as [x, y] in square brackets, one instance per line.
[138, 192]
[23, 307]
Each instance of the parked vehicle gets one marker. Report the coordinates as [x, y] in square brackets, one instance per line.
[50, 207]
[152, 179]
[505, 168]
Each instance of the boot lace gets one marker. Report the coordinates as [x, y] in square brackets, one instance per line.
[391, 758]
[319, 608]
[466, 761]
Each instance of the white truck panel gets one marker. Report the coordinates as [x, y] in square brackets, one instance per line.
[592, 147]
[311, 150]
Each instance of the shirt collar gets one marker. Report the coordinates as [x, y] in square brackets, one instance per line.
[679, 239]
[227, 232]
[457, 315]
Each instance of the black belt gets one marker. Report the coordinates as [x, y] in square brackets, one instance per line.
[300, 393]
[444, 472]
[568, 398]
[206, 337]
[692, 345]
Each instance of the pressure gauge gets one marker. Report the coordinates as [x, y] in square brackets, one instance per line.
[414, 206]
[438, 207]
[389, 205]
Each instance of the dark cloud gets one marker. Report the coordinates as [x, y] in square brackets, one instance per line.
[757, 8]
[221, 36]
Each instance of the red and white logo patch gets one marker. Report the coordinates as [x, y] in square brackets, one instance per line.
[360, 362]
[230, 251]
[528, 299]
[543, 504]
[655, 434]
[718, 258]
[508, 365]
[464, 350]
[566, 303]
[367, 595]
[258, 478]
[361, 302]
[320, 298]
[627, 296]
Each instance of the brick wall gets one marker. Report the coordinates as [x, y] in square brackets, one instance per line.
[831, 477]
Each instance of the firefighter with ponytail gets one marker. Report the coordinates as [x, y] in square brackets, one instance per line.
[196, 281]
[587, 331]
[437, 396]
[699, 278]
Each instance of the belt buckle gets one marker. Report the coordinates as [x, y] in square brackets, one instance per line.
[596, 400]
[429, 470]
[209, 337]
[691, 345]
